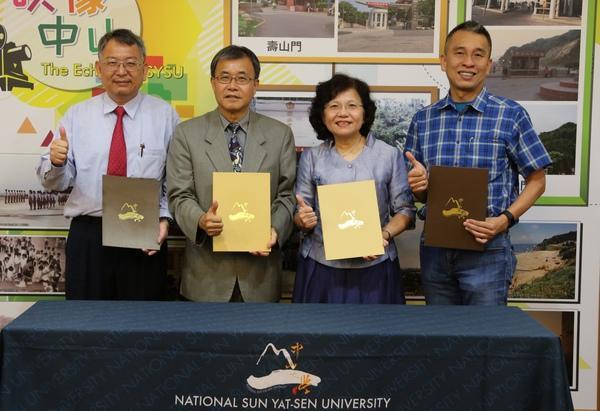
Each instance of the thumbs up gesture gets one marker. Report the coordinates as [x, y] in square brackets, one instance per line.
[59, 149]
[417, 176]
[305, 217]
[211, 222]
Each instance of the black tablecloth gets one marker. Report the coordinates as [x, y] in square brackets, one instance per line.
[181, 355]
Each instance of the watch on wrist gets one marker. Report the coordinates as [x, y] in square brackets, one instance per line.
[511, 218]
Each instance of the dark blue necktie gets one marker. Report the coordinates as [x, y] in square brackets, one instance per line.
[235, 149]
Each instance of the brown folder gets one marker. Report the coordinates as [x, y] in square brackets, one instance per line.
[130, 212]
[245, 206]
[350, 220]
[455, 194]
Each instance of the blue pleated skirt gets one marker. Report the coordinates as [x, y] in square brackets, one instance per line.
[378, 284]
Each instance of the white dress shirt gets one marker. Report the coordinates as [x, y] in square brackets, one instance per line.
[148, 127]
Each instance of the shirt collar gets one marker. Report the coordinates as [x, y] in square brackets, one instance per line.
[478, 104]
[244, 121]
[131, 106]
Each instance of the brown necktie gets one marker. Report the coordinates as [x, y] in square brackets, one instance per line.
[117, 157]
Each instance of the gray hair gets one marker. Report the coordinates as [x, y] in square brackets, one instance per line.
[122, 36]
[234, 52]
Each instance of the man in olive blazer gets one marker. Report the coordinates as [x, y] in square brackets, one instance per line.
[200, 147]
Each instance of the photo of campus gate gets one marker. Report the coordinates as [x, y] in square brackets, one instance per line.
[398, 26]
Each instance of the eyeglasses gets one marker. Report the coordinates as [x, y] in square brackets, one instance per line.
[336, 107]
[128, 65]
[240, 80]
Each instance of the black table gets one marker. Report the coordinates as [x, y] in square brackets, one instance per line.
[181, 355]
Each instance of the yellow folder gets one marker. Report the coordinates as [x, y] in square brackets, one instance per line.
[245, 207]
[350, 220]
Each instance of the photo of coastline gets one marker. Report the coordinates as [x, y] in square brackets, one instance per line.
[541, 64]
[547, 260]
[556, 124]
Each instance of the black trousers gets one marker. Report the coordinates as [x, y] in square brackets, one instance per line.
[95, 272]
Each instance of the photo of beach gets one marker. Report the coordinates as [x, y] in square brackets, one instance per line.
[547, 260]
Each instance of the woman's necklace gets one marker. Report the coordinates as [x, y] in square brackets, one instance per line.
[352, 152]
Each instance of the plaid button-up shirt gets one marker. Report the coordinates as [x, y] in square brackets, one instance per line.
[492, 132]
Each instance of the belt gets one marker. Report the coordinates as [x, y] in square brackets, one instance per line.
[87, 219]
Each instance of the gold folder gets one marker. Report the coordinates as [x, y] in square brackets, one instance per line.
[350, 220]
[245, 206]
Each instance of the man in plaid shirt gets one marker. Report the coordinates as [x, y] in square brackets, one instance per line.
[472, 128]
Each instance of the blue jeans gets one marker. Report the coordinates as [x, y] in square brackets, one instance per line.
[461, 277]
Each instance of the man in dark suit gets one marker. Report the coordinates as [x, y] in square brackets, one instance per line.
[230, 138]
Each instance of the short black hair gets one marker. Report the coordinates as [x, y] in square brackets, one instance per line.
[234, 52]
[328, 90]
[472, 26]
[122, 36]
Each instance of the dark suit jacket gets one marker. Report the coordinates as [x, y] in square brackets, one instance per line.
[198, 149]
